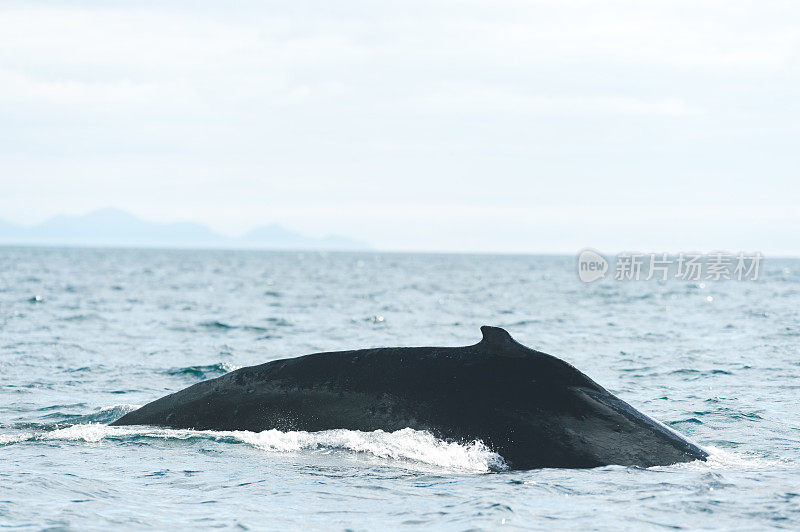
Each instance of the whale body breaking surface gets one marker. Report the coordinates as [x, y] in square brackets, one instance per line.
[532, 408]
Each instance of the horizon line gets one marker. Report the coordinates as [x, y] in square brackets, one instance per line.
[321, 251]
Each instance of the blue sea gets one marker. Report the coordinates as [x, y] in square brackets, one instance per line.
[87, 335]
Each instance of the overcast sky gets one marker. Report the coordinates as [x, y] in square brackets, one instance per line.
[477, 126]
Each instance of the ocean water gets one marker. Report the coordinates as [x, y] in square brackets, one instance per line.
[88, 334]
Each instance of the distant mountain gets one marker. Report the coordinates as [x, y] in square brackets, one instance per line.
[113, 227]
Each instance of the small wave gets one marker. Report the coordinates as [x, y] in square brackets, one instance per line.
[82, 317]
[203, 372]
[523, 323]
[220, 325]
[56, 407]
[691, 420]
[107, 414]
[405, 444]
[694, 374]
[279, 322]
[216, 325]
[59, 416]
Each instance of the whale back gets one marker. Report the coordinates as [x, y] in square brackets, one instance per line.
[534, 409]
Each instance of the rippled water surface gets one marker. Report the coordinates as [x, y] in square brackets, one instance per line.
[86, 335]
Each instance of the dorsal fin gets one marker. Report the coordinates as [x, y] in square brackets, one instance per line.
[500, 343]
[496, 337]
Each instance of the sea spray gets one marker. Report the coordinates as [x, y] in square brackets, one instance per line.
[401, 445]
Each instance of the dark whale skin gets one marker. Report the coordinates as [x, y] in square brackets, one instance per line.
[534, 409]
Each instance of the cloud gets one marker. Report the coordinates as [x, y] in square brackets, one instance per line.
[493, 100]
[19, 88]
[246, 114]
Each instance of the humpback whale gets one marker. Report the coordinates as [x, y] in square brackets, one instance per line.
[532, 408]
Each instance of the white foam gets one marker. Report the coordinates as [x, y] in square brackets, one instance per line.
[7, 439]
[723, 459]
[121, 407]
[405, 444]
